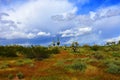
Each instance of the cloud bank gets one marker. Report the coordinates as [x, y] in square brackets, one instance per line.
[33, 18]
[42, 18]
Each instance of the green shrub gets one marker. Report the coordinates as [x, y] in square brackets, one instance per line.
[4, 65]
[55, 50]
[7, 51]
[98, 55]
[21, 62]
[41, 52]
[10, 76]
[78, 66]
[86, 46]
[28, 52]
[116, 54]
[113, 68]
[95, 47]
[20, 75]
[37, 52]
[115, 61]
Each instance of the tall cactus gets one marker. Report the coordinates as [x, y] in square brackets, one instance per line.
[58, 41]
[53, 43]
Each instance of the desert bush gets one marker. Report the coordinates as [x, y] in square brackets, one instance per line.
[10, 76]
[28, 52]
[115, 54]
[4, 65]
[113, 68]
[2, 51]
[114, 48]
[20, 75]
[55, 50]
[92, 60]
[95, 47]
[71, 64]
[106, 49]
[98, 55]
[7, 51]
[86, 46]
[78, 66]
[115, 61]
[41, 52]
[37, 52]
[21, 62]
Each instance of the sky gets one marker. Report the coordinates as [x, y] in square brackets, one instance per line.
[40, 22]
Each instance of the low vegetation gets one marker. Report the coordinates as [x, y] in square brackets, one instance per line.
[60, 62]
[37, 52]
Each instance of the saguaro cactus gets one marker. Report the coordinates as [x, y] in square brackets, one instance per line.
[53, 43]
[58, 41]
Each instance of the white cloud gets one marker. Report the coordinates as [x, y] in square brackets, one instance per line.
[104, 22]
[16, 35]
[25, 44]
[35, 16]
[113, 39]
[31, 35]
[109, 11]
[75, 32]
[43, 34]
[92, 15]
[85, 39]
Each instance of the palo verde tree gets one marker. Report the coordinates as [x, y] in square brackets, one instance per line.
[112, 45]
[119, 42]
[74, 46]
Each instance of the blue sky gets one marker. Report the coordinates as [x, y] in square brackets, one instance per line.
[39, 22]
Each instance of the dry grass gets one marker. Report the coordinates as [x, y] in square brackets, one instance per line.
[45, 69]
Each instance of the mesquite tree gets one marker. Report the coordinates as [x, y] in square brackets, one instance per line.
[74, 46]
[119, 42]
